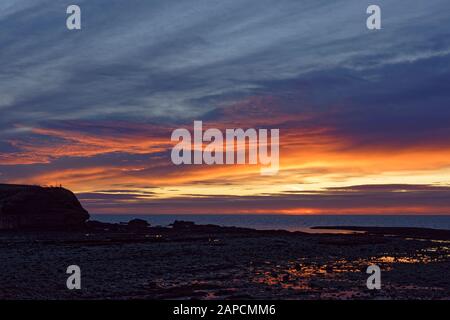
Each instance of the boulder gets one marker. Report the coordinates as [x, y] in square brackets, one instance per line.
[182, 225]
[35, 207]
[138, 224]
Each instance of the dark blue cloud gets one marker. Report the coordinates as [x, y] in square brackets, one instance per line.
[153, 59]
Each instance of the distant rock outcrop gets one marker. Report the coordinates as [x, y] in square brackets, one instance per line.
[182, 225]
[138, 224]
[34, 207]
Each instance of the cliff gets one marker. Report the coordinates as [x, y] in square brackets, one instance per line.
[34, 207]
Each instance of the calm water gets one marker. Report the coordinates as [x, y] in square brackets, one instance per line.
[291, 223]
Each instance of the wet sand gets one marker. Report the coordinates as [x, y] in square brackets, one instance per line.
[210, 262]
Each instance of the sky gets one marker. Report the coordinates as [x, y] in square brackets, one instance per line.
[364, 115]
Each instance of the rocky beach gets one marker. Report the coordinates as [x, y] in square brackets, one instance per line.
[188, 261]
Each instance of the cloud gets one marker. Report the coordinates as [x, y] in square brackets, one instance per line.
[385, 200]
[94, 109]
[179, 60]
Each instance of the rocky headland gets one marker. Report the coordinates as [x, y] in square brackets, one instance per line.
[39, 208]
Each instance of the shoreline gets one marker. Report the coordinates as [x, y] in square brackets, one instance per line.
[289, 222]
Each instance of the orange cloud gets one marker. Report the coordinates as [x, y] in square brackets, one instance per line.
[313, 156]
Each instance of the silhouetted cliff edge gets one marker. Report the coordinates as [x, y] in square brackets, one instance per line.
[35, 207]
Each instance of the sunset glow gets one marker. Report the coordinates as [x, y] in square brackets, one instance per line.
[364, 116]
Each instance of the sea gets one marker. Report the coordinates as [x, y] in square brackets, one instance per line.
[289, 222]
